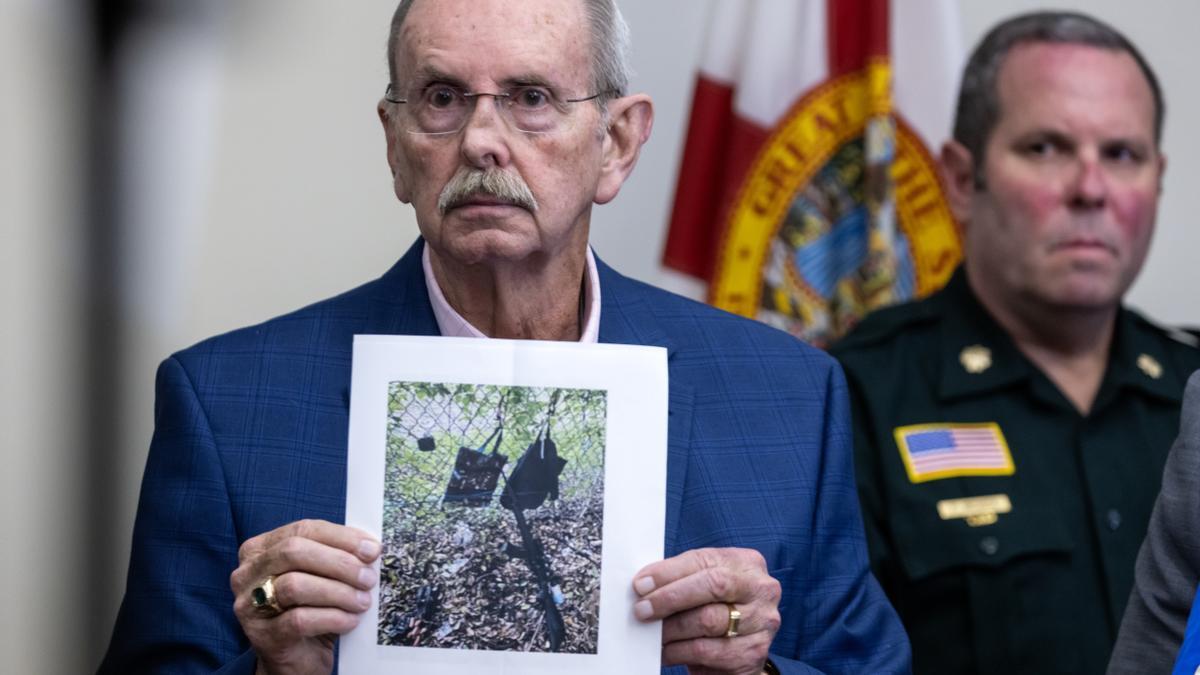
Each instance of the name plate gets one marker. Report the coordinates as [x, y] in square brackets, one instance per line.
[981, 510]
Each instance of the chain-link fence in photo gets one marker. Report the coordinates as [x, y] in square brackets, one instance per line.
[493, 508]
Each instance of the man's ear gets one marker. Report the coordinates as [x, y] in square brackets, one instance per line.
[390, 131]
[958, 175]
[629, 123]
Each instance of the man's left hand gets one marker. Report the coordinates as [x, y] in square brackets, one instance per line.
[694, 594]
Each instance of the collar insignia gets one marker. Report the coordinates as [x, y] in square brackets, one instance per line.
[1150, 366]
[977, 358]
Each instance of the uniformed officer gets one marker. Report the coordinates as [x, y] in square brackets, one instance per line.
[1011, 429]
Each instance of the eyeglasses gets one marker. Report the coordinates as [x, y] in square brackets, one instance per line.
[445, 109]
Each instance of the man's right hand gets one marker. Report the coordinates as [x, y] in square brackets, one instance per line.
[322, 574]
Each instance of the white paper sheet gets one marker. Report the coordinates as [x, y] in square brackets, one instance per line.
[458, 591]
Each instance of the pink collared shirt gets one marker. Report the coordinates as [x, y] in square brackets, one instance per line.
[452, 324]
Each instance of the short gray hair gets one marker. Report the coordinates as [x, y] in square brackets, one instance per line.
[978, 107]
[610, 47]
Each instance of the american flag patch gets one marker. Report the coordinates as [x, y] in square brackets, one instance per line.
[933, 451]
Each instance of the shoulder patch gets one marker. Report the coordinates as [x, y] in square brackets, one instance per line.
[934, 451]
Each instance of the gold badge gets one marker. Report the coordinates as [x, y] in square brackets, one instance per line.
[977, 511]
[1150, 366]
[975, 359]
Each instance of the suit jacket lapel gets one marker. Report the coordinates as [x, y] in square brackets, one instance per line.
[399, 303]
[627, 318]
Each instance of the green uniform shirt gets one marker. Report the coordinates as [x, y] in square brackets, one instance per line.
[1034, 575]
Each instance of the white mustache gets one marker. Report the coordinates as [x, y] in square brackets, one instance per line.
[498, 183]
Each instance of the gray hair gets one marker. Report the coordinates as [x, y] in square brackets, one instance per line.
[978, 99]
[610, 47]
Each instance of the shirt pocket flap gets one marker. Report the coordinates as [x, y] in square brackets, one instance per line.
[929, 545]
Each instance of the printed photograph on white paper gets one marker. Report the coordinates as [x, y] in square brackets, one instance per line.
[492, 517]
[517, 487]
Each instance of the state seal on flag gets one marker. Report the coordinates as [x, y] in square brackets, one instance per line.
[842, 211]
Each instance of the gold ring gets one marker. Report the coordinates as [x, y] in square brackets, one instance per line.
[264, 600]
[735, 621]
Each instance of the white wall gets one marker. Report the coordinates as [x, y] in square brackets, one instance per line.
[293, 203]
[40, 521]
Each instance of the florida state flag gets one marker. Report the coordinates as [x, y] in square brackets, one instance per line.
[807, 194]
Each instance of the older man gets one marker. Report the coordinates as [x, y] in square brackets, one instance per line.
[1011, 429]
[505, 122]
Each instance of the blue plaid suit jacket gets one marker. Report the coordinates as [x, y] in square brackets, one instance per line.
[250, 434]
